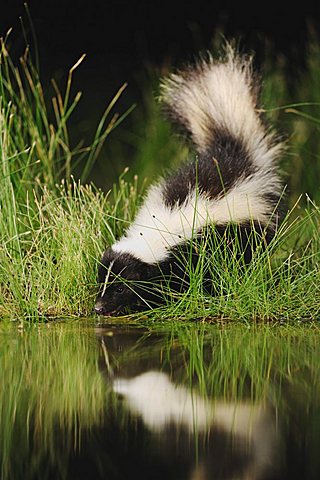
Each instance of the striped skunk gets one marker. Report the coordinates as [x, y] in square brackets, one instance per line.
[231, 180]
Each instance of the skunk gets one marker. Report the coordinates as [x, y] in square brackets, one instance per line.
[231, 180]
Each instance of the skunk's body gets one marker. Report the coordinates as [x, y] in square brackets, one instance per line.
[231, 180]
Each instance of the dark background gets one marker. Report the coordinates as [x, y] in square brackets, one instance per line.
[122, 38]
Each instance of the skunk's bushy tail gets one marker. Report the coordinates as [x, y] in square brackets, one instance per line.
[214, 101]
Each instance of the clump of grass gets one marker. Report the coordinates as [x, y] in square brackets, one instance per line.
[52, 227]
[49, 257]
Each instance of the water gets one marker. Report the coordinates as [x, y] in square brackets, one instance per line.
[83, 400]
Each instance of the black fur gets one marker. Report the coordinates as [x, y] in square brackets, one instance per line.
[124, 282]
[137, 284]
[213, 173]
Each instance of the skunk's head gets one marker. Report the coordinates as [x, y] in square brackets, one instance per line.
[123, 283]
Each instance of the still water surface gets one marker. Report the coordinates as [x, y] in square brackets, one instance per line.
[83, 400]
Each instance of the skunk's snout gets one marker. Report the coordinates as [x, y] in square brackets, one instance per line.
[100, 310]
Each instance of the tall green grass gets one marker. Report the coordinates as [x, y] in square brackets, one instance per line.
[54, 227]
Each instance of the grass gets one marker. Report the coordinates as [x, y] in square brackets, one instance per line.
[53, 227]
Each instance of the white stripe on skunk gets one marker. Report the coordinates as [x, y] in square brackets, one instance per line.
[157, 227]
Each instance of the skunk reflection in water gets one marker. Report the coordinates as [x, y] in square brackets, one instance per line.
[161, 405]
